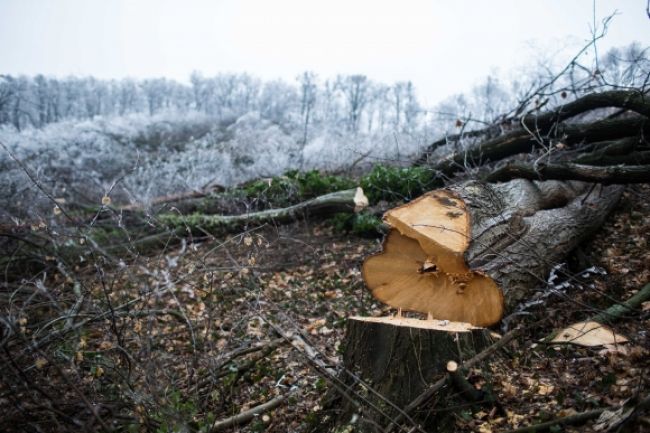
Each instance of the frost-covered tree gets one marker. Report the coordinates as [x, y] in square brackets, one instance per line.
[356, 91]
[308, 92]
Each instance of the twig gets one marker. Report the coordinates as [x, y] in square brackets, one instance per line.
[328, 373]
[249, 414]
[615, 312]
[578, 418]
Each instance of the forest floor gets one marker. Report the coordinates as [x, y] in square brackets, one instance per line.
[193, 335]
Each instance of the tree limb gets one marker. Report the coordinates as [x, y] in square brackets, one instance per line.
[542, 123]
[607, 175]
[617, 311]
[575, 419]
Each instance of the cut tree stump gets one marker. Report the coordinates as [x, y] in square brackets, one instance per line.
[393, 360]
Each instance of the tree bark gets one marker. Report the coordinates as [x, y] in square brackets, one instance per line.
[519, 231]
[391, 362]
[541, 124]
[522, 228]
[522, 141]
[351, 200]
[606, 175]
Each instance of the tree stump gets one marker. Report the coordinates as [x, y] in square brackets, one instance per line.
[390, 361]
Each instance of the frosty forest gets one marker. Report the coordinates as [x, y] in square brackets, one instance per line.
[328, 253]
[160, 137]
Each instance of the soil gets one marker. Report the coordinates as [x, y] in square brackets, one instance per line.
[172, 358]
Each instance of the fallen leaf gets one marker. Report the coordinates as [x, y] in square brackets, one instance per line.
[544, 389]
[315, 325]
[509, 389]
[105, 345]
[485, 428]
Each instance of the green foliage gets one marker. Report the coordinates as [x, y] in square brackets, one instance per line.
[361, 224]
[320, 385]
[295, 186]
[397, 183]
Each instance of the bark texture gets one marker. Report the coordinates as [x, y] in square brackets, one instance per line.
[350, 200]
[522, 228]
[606, 175]
[391, 365]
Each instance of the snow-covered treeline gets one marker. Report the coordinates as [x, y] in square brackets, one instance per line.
[351, 101]
[81, 138]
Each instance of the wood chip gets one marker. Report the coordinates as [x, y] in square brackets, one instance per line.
[588, 334]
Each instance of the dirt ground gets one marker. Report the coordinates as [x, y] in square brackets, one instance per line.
[193, 336]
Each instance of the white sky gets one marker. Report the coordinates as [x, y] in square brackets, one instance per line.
[444, 47]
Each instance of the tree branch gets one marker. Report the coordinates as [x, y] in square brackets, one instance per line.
[615, 174]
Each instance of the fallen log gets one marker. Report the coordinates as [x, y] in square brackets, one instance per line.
[464, 252]
[606, 175]
[541, 123]
[613, 151]
[351, 200]
[522, 141]
[25, 250]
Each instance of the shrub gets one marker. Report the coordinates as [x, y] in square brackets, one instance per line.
[396, 183]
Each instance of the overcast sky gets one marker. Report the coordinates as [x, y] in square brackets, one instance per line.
[444, 47]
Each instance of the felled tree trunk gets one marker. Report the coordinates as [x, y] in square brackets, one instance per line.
[24, 251]
[350, 200]
[486, 248]
[465, 252]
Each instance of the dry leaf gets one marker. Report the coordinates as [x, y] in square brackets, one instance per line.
[485, 428]
[481, 414]
[545, 389]
[315, 325]
[40, 363]
[509, 389]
